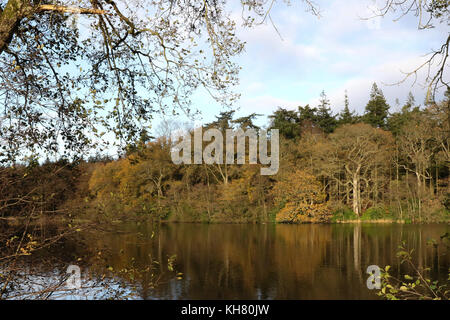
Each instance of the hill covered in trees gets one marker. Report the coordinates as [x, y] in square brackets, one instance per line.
[333, 167]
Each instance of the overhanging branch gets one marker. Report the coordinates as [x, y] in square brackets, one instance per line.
[64, 9]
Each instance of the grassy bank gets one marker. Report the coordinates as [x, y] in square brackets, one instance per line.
[391, 215]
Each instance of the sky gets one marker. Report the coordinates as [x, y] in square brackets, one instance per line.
[338, 51]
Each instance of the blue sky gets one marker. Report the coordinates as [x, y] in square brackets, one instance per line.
[337, 52]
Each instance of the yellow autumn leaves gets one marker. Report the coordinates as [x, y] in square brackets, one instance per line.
[303, 197]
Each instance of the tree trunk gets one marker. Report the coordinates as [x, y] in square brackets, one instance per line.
[356, 188]
[16, 10]
[356, 194]
[13, 13]
[419, 194]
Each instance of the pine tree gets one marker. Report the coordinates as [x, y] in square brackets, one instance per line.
[397, 119]
[247, 122]
[287, 122]
[223, 121]
[410, 102]
[376, 109]
[324, 119]
[346, 116]
[307, 113]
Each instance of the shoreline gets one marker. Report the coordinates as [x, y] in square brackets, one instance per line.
[49, 219]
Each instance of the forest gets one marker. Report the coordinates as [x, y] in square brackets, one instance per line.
[93, 206]
[382, 165]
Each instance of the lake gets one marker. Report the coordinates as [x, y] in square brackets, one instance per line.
[238, 261]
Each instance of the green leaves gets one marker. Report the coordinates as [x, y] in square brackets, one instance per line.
[418, 285]
[170, 262]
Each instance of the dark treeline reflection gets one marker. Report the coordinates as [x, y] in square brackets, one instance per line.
[272, 261]
[236, 261]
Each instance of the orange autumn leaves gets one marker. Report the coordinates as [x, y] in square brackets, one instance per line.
[303, 197]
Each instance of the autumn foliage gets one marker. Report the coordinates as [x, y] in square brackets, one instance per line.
[357, 170]
[303, 198]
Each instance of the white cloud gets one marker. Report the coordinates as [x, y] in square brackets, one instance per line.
[335, 53]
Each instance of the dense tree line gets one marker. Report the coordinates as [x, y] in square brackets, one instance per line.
[73, 71]
[378, 165]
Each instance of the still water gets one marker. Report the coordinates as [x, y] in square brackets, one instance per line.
[228, 261]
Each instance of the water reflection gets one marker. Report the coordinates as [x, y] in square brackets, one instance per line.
[275, 261]
[252, 261]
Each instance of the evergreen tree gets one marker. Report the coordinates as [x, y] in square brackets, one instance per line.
[376, 109]
[308, 118]
[287, 122]
[307, 114]
[397, 119]
[223, 122]
[410, 102]
[346, 116]
[324, 118]
[247, 122]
